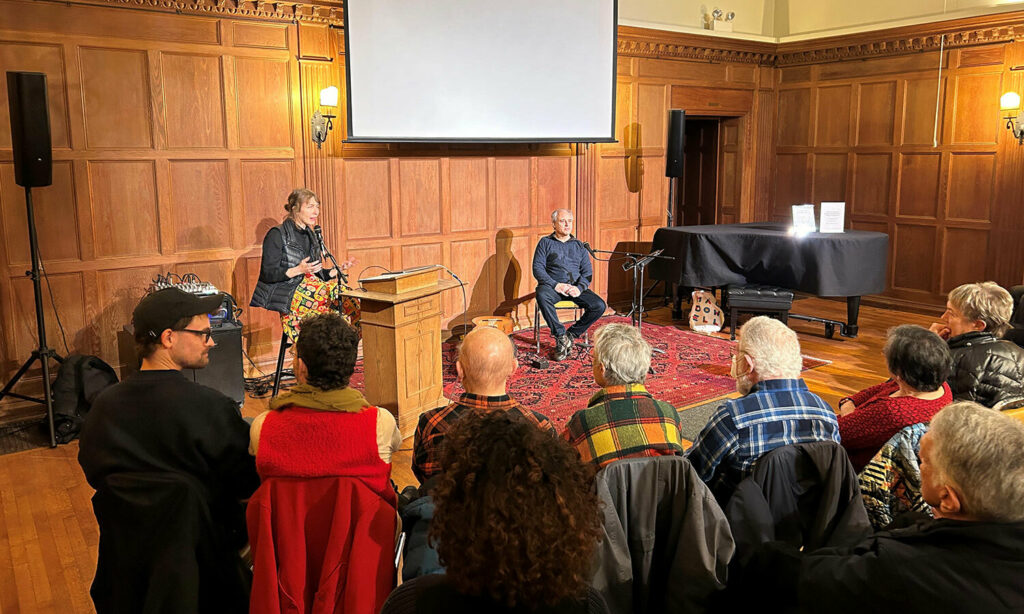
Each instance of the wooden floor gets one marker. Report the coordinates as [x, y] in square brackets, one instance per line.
[48, 535]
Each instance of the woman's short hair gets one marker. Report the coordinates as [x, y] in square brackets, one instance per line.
[773, 348]
[980, 451]
[918, 356]
[624, 354]
[328, 346]
[516, 518]
[986, 301]
[299, 197]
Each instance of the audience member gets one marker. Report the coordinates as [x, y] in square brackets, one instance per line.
[167, 457]
[776, 408]
[986, 369]
[486, 361]
[623, 420]
[516, 524]
[321, 427]
[970, 558]
[919, 365]
[322, 524]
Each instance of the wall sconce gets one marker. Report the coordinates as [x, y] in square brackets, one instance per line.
[1009, 103]
[321, 124]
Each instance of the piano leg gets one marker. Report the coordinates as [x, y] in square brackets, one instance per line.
[677, 301]
[852, 313]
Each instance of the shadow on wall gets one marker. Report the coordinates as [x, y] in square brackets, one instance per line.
[261, 329]
[503, 296]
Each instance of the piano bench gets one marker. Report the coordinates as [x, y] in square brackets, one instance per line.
[738, 298]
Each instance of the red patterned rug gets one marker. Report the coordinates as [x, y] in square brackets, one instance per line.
[694, 368]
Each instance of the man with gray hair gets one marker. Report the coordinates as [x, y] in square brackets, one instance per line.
[561, 266]
[623, 420]
[969, 558]
[776, 410]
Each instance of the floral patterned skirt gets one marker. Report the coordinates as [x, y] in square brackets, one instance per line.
[314, 296]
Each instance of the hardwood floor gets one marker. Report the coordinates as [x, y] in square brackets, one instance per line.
[48, 535]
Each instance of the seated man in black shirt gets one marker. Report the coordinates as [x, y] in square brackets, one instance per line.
[169, 460]
[969, 558]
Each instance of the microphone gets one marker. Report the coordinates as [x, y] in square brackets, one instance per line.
[586, 246]
[319, 233]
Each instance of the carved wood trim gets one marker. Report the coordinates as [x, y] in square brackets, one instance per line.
[663, 44]
[308, 12]
[967, 32]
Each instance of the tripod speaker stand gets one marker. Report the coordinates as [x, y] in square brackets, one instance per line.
[30, 138]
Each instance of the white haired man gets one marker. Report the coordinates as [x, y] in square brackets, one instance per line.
[561, 266]
[623, 420]
[776, 410]
[969, 558]
[986, 368]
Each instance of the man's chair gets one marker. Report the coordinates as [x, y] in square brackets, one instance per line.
[320, 545]
[666, 544]
[559, 306]
[162, 550]
[891, 482]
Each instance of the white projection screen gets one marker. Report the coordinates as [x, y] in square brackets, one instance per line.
[480, 70]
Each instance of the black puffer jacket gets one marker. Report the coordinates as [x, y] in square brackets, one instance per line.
[987, 370]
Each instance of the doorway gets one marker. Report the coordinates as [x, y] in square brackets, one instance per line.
[698, 187]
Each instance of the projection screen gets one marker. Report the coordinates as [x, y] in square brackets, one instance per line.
[480, 70]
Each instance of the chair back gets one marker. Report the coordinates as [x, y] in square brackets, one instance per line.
[891, 482]
[320, 545]
[666, 545]
[162, 551]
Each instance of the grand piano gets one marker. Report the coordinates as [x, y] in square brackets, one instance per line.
[849, 264]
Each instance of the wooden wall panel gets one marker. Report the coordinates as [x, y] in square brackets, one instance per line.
[265, 188]
[616, 203]
[469, 198]
[199, 198]
[829, 178]
[554, 187]
[193, 120]
[56, 216]
[964, 253]
[794, 120]
[420, 196]
[119, 291]
[919, 185]
[472, 260]
[265, 36]
[919, 110]
[971, 186]
[263, 89]
[914, 257]
[792, 185]
[512, 192]
[877, 104]
[47, 59]
[976, 96]
[217, 272]
[124, 206]
[833, 122]
[116, 97]
[367, 198]
[421, 254]
[871, 183]
[68, 292]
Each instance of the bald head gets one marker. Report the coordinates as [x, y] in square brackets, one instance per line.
[486, 360]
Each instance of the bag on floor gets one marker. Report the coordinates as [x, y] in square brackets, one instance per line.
[705, 314]
[79, 380]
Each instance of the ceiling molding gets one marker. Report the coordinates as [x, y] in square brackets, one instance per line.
[663, 44]
[329, 13]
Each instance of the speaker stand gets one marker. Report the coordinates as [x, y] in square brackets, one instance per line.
[43, 353]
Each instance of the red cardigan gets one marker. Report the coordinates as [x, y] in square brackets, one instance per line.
[322, 523]
[880, 416]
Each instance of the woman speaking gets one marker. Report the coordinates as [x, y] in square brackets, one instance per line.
[293, 278]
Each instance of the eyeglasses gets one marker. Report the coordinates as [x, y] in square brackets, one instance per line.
[206, 333]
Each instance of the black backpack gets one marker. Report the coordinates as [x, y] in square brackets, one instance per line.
[79, 380]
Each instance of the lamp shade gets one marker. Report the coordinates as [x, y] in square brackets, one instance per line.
[1010, 101]
[329, 97]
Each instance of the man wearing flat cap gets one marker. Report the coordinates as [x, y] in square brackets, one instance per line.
[170, 463]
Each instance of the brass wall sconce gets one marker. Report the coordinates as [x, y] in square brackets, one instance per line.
[321, 124]
[1009, 104]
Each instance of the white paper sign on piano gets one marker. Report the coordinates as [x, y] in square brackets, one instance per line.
[803, 220]
[832, 217]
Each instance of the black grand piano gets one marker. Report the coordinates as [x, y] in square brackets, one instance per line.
[849, 264]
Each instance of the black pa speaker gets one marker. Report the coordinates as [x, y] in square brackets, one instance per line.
[224, 373]
[30, 129]
[676, 142]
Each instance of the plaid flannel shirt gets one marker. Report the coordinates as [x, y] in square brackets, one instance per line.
[434, 424]
[624, 422]
[776, 413]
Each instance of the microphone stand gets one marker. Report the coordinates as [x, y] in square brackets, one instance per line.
[326, 252]
[637, 263]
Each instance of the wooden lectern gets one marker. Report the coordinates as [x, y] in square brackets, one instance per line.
[401, 322]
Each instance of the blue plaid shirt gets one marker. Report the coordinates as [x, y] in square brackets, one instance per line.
[776, 413]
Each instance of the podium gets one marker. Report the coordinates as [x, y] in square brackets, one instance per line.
[401, 324]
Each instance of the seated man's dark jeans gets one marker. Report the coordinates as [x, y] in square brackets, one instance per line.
[592, 304]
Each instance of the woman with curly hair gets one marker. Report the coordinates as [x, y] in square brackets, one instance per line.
[516, 524]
